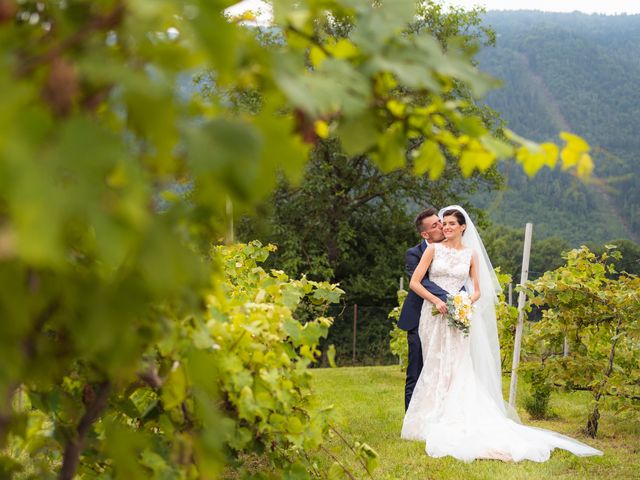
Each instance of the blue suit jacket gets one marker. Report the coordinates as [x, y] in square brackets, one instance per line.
[410, 313]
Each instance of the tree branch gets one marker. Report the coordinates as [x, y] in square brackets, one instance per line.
[151, 377]
[612, 354]
[582, 388]
[5, 413]
[97, 402]
[311, 38]
[28, 347]
[101, 22]
[335, 459]
[364, 198]
[591, 295]
[352, 449]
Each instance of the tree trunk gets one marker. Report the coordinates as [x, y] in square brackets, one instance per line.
[592, 422]
[96, 402]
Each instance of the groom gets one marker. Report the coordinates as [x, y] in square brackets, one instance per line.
[429, 227]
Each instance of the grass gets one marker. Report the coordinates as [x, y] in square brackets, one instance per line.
[369, 402]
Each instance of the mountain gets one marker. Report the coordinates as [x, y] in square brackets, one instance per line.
[578, 73]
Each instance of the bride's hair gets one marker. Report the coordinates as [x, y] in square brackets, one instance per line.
[456, 213]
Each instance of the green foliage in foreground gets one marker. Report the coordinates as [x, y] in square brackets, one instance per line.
[369, 402]
[398, 343]
[213, 390]
[589, 333]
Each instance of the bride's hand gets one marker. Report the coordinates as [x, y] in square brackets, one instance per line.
[474, 297]
[441, 306]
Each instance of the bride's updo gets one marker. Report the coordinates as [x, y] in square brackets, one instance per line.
[459, 216]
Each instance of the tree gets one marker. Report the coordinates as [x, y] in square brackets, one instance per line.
[598, 317]
[536, 56]
[349, 222]
[504, 246]
[629, 260]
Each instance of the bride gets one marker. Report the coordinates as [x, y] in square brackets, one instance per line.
[457, 406]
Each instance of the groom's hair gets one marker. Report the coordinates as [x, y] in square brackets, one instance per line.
[429, 212]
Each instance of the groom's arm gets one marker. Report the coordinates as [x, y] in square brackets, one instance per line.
[412, 258]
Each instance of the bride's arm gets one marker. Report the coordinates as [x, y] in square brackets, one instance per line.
[473, 273]
[419, 273]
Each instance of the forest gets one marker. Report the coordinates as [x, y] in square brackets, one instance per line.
[579, 73]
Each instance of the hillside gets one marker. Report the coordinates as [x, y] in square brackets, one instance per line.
[579, 73]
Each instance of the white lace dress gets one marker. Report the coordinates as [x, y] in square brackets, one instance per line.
[450, 409]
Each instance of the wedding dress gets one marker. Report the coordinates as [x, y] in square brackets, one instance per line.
[457, 406]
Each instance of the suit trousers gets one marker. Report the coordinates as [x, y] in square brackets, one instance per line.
[414, 364]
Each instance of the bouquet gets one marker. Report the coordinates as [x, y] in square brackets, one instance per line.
[460, 310]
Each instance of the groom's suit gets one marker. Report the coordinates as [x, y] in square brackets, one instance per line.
[410, 318]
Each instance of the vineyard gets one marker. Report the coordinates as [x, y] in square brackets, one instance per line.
[138, 339]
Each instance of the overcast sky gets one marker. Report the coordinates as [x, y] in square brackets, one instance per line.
[586, 6]
[610, 7]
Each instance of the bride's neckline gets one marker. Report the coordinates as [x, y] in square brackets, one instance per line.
[443, 244]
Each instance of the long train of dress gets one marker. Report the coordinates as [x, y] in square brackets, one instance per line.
[451, 410]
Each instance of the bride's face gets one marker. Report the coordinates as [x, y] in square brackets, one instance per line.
[451, 228]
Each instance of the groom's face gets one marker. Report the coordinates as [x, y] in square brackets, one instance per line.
[432, 229]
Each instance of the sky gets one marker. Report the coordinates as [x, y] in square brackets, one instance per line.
[609, 7]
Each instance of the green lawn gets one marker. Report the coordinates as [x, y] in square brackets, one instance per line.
[370, 406]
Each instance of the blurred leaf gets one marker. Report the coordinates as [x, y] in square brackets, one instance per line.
[357, 134]
[331, 356]
[174, 390]
[429, 158]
